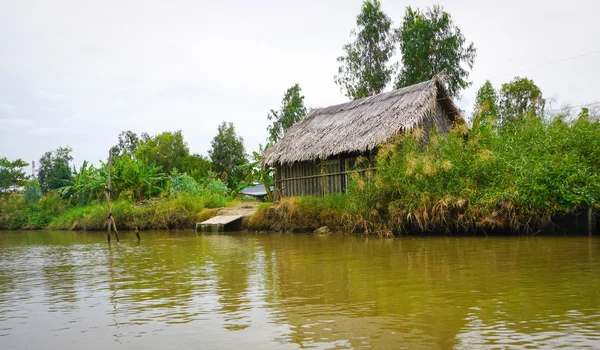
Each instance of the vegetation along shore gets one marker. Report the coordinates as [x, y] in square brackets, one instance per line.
[394, 163]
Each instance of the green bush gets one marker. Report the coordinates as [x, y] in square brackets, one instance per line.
[514, 177]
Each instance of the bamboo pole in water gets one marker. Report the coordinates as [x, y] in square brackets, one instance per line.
[110, 221]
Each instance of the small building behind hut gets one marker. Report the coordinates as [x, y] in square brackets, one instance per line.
[317, 154]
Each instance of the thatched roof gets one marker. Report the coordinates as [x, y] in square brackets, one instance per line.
[360, 125]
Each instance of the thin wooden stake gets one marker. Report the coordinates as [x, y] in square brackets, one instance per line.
[110, 221]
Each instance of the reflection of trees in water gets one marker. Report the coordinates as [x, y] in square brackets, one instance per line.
[59, 272]
[424, 291]
[233, 259]
[154, 281]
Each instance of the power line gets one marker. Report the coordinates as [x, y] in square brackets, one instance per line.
[547, 64]
[571, 107]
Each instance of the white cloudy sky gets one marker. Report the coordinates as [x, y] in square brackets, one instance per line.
[77, 72]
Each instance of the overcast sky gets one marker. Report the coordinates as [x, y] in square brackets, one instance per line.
[77, 72]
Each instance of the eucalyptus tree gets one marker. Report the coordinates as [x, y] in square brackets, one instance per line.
[431, 44]
[365, 68]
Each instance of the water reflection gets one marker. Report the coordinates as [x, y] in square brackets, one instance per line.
[73, 290]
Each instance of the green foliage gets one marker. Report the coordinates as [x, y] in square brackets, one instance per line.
[519, 99]
[213, 191]
[131, 177]
[364, 69]
[180, 212]
[292, 110]
[18, 213]
[228, 155]
[513, 179]
[303, 214]
[12, 175]
[55, 171]
[183, 183]
[167, 150]
[485, 113]
[431, 44]
[32, 191]
[127, 145]
[134, 177]
[197, 166]
[258, 173]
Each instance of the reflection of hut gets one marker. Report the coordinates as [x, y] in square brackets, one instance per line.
[316, 154]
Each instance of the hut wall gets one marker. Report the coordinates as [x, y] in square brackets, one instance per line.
[320, 177]
[440, 119]
[312, 178]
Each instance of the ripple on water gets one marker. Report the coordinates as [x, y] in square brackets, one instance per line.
[278, 291]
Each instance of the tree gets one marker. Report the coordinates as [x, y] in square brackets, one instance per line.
[55, 171]
[167, 150]
[519, 99]
[128, 144]
[364, 69]
[431, 44]
[228, 155]
[12, 175]
[32, 191]
[292, 110]
[196, 166]
[486, 106]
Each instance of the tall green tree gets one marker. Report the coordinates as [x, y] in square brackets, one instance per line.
[167, 150]
[55, 170]
[228, 155]
[431, 44]
[486, 106]
[365, 69]
[519, 99]
[127, 145]
[197, 166]
[292, 110]
[12, 174]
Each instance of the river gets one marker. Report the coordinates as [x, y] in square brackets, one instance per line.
[178, 290]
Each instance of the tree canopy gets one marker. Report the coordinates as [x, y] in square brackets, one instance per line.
[365, 69]
[12, 174]
[127, 145]
[431, 44]
[55, 169]
[519, 99]
[292, 110]
[486, 106]
[228, 155]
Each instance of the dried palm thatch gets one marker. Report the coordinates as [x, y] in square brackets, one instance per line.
[362, 125]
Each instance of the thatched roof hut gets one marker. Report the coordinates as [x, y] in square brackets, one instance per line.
[361, 125]
[354, 128]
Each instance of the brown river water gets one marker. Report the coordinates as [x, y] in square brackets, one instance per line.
[179, 290]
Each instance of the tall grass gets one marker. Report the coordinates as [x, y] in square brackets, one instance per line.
[179, 212]
[516, 177]
[301, 214]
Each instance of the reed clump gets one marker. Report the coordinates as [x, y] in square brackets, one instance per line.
[514, 177]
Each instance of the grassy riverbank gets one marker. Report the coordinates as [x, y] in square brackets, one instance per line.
[515, 178]
[181, 212]
[53, 212]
